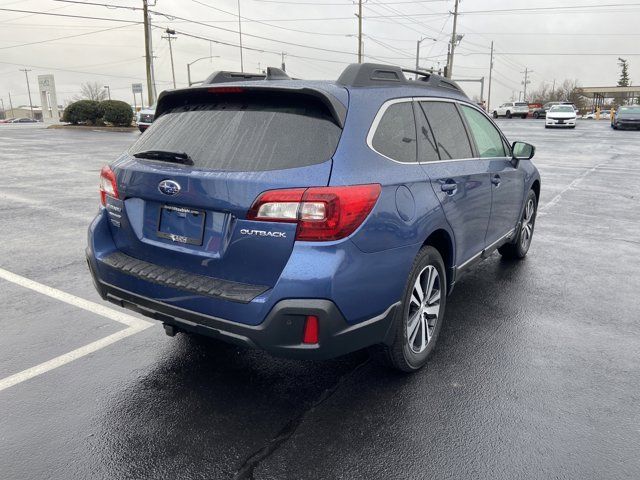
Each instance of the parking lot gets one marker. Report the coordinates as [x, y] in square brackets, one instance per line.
[535, 375]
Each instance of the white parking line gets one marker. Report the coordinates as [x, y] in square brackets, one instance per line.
[134, 325]
[543, 210]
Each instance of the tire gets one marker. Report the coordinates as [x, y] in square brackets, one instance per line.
[614, 126]
[520, 246]
[406, 354]
[508, 114]
[536, 115]
[495, 114]
[524, 116]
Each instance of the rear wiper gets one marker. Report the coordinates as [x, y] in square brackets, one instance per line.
[165, 156]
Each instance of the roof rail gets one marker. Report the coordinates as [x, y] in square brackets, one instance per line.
[225, 77]
[372, 74]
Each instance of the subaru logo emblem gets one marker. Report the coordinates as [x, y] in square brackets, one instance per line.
[169, 187]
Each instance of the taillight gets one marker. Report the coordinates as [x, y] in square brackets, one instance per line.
[322, 213]
[108, 185]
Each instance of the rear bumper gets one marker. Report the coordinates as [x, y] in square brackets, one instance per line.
[280, 333]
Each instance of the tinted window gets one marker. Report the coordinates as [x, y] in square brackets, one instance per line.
[246, 133]
[450, 134]
[395, 136]
[488, 139]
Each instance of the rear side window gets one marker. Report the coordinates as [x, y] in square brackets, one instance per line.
[488, 139]
[448, 129]
[395, 136]
[246, 133]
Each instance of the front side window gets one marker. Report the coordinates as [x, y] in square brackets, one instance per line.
[488, 139]
[448, 130]
[395, 136]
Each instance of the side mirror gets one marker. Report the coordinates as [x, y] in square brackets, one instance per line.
[522, 151]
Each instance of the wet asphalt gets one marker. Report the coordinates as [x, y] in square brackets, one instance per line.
[536, 373]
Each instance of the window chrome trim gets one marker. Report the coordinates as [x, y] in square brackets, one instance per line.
[376, 121]
[385, 106]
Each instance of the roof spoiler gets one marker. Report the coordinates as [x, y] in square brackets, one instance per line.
[176, 98]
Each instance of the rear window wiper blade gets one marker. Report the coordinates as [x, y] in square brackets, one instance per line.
[165, 156]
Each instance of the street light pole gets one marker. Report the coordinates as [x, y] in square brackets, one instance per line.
[106, 87]
[171, 36]
[418, 52]
[28, 89]
[490, 75]
[196, 60]
[240, 33]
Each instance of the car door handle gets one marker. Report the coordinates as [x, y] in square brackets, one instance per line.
[449, 187]
[496, 180]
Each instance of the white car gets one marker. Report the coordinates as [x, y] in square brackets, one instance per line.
[561, 116]
[604, 115]
[512, 109]
[144, 118]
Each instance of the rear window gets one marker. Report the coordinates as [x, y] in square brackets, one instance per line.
[246, 133]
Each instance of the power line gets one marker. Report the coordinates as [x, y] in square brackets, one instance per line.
[171, 17]
[265, 23]
[348, 5]
[551, 9]
[63, 38]
[78, 71]
[84, 17]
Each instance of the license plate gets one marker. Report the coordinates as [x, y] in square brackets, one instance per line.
[560, 122]
[181, 224]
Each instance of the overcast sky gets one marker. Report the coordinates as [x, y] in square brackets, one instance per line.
[318, 39]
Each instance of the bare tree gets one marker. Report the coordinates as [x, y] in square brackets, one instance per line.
[91, 91]
[566, 91]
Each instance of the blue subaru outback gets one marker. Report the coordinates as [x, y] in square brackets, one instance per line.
[311, 219]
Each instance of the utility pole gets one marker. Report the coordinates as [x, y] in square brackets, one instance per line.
[10, 105]
[454, 40]
[284, 67]
[526, 82]
[106, 87]
[171, 36]
[28, 89]
[490, 74]
[553, 89]
[148, 52]
[359, 15]
[240, 32]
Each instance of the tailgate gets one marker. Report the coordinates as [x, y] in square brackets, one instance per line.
[193, 217]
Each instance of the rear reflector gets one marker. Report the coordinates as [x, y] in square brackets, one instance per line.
[108, 185]
[322, 213]
[310, 335]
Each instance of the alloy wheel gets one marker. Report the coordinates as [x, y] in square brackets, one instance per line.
[424, 309]
[527, 224]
